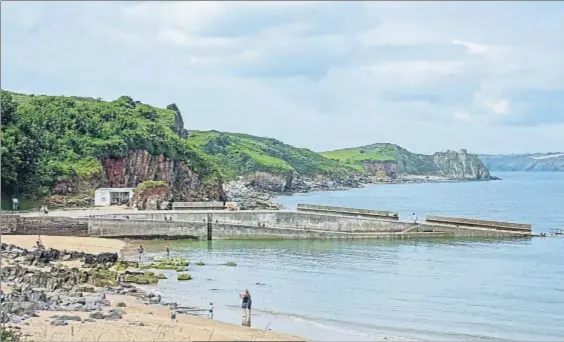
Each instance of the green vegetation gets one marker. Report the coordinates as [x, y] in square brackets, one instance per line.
[24, 204]
[46, 139]
[148, 185]
[167, 264]
[10, 334]
[122, 265]
[230, 263]
[360, 158]
[184, 276]
[101, 277]
[144, 278]
[200, 263]
[237, 154]
[355, 157]
[390, 159]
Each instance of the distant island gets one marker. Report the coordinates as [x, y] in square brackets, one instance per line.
[57, 150]
[545, 162]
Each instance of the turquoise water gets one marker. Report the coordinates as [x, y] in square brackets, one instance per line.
[443, 289]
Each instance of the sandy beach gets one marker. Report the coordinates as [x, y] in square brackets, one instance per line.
[141, 321]
[156, 326]
[80, 244]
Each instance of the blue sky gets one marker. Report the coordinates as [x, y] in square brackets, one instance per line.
[486, 76]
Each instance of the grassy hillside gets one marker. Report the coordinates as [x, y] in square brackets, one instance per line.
[392, 159]
[359, 157]
[46, 139]
[355, 157]
[237, 154]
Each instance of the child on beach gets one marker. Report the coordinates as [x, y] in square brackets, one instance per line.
[210, 311]
[173, 315]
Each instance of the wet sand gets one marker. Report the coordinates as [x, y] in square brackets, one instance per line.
[156, 326]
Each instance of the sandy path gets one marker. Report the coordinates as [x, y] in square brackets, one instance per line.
[157, 327]
[80, 244]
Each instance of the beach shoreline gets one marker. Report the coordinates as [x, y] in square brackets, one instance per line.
[141, 321]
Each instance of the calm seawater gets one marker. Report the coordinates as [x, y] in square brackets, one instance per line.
[441, 289]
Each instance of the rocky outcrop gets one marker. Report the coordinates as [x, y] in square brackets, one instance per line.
[385, 168]
[460, 165]
[178, 121]
[449, 165]
[43, 257]
[137, 167]
[47, 285]
[258, 189]
[248, 197]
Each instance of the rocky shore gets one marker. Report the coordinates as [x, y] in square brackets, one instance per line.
[80, 288]
[259, 190]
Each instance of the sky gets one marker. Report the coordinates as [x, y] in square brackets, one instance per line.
[429, 76]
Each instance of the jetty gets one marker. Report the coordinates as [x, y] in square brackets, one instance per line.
[307, 222]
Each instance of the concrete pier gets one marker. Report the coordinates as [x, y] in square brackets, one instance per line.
[326, 222]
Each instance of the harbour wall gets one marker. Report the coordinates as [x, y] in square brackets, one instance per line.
[13, 224]
[271, 224]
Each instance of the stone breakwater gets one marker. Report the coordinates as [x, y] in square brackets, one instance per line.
[39, 281]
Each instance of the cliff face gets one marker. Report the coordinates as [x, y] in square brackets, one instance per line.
[460, 165]
[178, 122]
[388, 168]
[140, 166]
[389, 160]
[137, 167]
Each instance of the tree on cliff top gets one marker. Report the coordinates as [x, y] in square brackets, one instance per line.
[60, 138]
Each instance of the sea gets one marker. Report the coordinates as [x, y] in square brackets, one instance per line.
[446, 289]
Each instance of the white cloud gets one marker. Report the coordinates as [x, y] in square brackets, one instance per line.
[472, 47]
[462, 116]
[297, 70]
[500, 107]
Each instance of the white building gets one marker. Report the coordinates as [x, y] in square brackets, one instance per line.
[104, 197]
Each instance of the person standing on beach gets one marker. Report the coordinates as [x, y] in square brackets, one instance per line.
[414, 218]
[210, 311]
[167, 248]
[246, 305]
[173, 315]
[39, 243]
[140, 251]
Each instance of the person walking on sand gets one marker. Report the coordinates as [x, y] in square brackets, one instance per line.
[173, 315]
[167, 248]
[246, 305]
[210, 311]
[140, 251]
